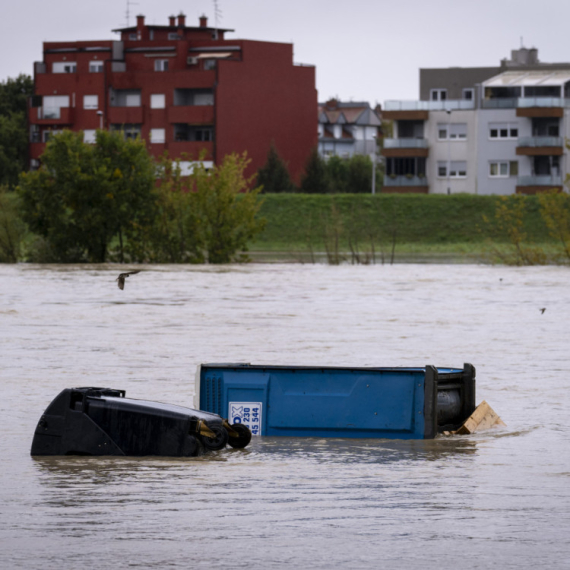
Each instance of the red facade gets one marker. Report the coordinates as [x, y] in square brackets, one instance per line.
[182, 89]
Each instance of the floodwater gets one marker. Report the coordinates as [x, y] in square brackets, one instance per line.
[498, 499]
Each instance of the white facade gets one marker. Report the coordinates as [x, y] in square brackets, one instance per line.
[510, 138]
[452, 142]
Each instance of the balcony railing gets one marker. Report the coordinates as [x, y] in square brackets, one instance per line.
[449, 105]
[125, 115]
[525, 102]
[51, 115]
[536, 142]
[405, 180]
[405, 143]
[540, 180]
[191, 114]
[543, 102]
[501, 103]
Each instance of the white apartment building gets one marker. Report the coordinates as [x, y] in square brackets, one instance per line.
[482, 130]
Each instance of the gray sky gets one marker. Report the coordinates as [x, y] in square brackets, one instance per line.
[363, 49]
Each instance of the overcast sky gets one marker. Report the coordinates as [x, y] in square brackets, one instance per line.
[364, 50]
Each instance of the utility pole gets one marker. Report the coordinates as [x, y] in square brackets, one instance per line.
[374, 166]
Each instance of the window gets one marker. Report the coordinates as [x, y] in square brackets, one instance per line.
[133, 37]
[35, 134]
[125, 98]
[187, 167]
[503, 169]
[410, 129]
[545, 127]
[48, 134]
[408, 167]
[193, 97]
[156, 136]
[209, 64]
[468, 94]
[503, 131]
[130, 131]
[90, 102]
[438, 94]
[184, 132]
[89, 136]
[174, 36]
[133, 100]
[161, 65]
[95, 67]
[204, 98]
[53, 105]
[453, 169]
[64, 67]
[157, 101]
[452, 131]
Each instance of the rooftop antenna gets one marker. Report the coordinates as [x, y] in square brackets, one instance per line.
[217, 17]
[128, 12]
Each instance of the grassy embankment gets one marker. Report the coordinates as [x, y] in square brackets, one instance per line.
[365, 228]
[422, 227]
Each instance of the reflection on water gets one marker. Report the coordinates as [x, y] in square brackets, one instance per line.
[497, 499]
[264, 451]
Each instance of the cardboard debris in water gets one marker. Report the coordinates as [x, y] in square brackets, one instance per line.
[484, 417]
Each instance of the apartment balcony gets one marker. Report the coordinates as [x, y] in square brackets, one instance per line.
[540, 146]
[419, 110]
[408, 184]
[537, 184]
[191, 114]
[529, 106]
[125, 115]
[54, 116]
[191, 148]
[542, 107]
[405, 147]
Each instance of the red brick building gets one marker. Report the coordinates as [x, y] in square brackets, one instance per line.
[182, 89]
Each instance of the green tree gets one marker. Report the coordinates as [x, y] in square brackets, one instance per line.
[315, 179]
[337, 173]
[12, 229]
[226, 209]
[14, 95]
[359, 179]
[173, 237]
[509, 225]
[274, 176]
[84, 195]
[555, 211]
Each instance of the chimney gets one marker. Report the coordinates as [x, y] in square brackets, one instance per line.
[140, 23]
[203, 21]
[172, 21]
[181, 20]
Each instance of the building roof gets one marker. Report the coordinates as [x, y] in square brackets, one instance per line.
[174, 28]
[356, 113]
[528, 78]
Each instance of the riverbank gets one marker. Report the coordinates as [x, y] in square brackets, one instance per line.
[366, 229]
[403, 253]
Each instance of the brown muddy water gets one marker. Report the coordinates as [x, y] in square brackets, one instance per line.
[498, 499]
